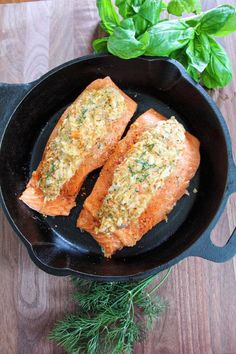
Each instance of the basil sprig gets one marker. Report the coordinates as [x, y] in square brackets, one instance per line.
[190, 40]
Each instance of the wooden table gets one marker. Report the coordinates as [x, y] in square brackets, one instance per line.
[201, 318]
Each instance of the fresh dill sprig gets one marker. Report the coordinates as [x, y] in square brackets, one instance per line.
[110, 317]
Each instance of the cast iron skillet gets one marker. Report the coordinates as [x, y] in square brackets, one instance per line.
[28, 114]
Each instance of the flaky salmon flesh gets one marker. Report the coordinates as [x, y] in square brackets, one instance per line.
[160, 204]
[76, 146]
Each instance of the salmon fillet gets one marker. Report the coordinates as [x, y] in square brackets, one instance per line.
[34, 196]
[161, 203]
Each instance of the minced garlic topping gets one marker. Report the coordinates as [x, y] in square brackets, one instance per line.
[148, 163]
[85, 126]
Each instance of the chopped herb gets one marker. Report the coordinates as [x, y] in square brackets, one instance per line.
[131, 171]
[52, 168]
[145, 165]
[142, 177]
[84, 111]
[150, 146]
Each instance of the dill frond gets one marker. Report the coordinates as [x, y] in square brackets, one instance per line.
[110, 317]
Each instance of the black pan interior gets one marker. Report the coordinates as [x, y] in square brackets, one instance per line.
[152, 84]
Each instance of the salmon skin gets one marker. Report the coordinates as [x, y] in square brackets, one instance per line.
[58, 199]
[172, 188]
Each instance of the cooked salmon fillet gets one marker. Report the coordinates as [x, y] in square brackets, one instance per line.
[161, 203]
[89, 130]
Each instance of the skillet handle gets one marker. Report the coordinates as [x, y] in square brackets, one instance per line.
[10, 96]
[205, 248]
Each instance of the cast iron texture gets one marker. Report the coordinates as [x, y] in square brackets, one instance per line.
[29, 113]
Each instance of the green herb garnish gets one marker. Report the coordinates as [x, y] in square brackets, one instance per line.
[145, 165]
[131, 170]
[150, 146]
[190, 40]
[178, 7]
[142, 177]
[110, 317]
[50, 171]
[52, 168]
[84, 111]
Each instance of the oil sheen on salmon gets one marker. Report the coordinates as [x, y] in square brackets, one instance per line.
[83, 129]
[144, 170]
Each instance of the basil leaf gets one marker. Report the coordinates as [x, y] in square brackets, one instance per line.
[209, 81]
[128, 24]
[136, 4]
[229, 26]
[193, 73]
[151, 10]
[214, 20]
[193, 21]
[108, 15]
[140, 24]
[100, 45]
[198, 52]
[144, 39]
[178, 7]
[125, 8]
[181, 56]
[167, 36]
[163, 6]
[218, 72]
[148, 9]
[175, 7]
[123, 43]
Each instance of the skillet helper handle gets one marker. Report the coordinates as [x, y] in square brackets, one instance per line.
[205, 248]
[10, 96]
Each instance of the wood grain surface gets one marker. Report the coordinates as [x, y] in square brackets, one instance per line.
[201, 318]
[15, 1]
